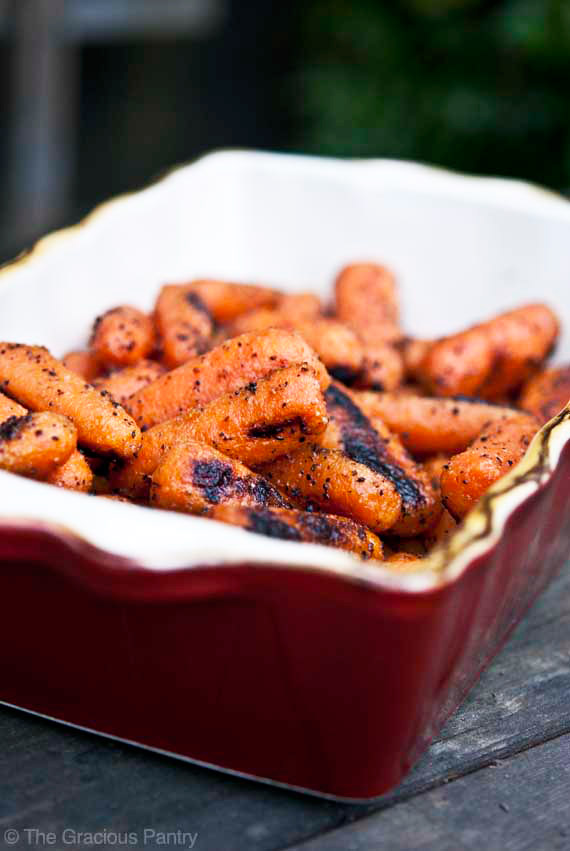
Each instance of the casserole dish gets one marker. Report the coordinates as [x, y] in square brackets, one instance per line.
[281, 661]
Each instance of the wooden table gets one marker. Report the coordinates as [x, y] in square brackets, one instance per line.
[497, 778]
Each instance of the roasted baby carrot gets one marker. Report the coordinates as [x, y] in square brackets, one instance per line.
[335, 343]
[34, 444]
[413, 352]
[83, 363]
[367, 300]
[370, 443]
[122, 336]
[289, 309]
[498, 448]
[294, 525]
[329, 479]
[226, 300]
[382, 368]
[228, 367]
[184, 324]
[9, 408]
[40, 382]
[123, 383]
[255, 424]
[492, 358]
[195, 478]
[546, 393]
[74, 474]
[427, 425]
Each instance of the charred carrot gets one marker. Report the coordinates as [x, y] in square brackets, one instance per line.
[546, 393]
[492, 358]
[294, 525]
[255, 424]
[195, 478]
[226, 300]
[184, 324]
[368, 442]
[226, 368]
[382, 368]
[317, 477]
[34, 444]
[122, 336]
[40, 382]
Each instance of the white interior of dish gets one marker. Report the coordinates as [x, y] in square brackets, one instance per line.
[463, 248]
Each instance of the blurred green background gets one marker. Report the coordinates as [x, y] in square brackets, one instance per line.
[98, 96]
[477, 85]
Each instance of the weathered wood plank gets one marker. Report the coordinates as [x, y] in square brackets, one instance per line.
[520, 805]
[51, 777]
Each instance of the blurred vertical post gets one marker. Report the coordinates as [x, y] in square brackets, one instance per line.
[41, 154]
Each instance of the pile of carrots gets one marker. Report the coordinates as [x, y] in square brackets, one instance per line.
[288, 417]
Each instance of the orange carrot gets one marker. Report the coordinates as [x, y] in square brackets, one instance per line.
[546, 393]
[294, 525]
[492, 358]
[195, 478]
[367, 300]
[34, 444]
[122, 336]
[40, 382]
[497, 449]
[228, 367]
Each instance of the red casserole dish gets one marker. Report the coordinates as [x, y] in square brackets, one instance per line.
[285, 662]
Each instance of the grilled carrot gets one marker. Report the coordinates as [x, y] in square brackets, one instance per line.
[34, 444]
[546, 393]
[492, 358]
[9, 408]
[74, 474]
[335, 343]
[427, 425]
[83, 363]
[294, 525]
[367, 300]
[184, 324]
[122, 336]
[223, 369]
[289, 309]
[195, 478]
[40, 382]
[123, 383]
[226, 300]
[329, 479]
[497, 449]
[255, 424]
[370, 443]
[382, 368]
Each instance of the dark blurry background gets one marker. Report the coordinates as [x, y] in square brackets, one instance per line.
[98, 96]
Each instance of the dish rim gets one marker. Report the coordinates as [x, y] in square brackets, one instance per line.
[485, 523]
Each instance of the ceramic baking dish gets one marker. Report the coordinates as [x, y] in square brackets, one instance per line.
[285, 662]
